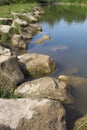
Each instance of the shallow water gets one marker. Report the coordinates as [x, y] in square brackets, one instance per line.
[67, 26]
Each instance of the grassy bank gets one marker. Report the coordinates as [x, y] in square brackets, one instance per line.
[5, 11]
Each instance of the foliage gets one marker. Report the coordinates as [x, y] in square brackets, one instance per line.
[68, 13]
[7, 94]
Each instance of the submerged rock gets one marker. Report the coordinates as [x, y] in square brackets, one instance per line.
[27, 114]
[42, 39]
[46, 87]
[81, 124]
[10, 73]
[36, 65]
[75, 81]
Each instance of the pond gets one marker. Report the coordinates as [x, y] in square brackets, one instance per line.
[67, 27]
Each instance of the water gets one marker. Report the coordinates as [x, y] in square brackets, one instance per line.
[67, 26]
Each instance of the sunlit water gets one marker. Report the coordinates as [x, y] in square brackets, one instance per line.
[67, 26]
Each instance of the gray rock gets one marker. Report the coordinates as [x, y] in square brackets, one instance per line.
[46, 87]
[25, 32]
[19, 21]
[27, 114]
[36, 65]
[18, 42]
[36, 27]
[5, 28]
[6, 32]
[5, 51]
[31, 17]
[10, 73]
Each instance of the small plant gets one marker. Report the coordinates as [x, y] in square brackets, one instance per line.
[7, 93]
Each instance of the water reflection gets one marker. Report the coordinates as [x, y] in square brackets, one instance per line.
[67, 13]
[67, 27]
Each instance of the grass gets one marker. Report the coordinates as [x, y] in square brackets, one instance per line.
[7, 94]
[5, 11]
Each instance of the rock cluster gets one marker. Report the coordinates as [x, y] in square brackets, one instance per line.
[20, 30]
[39, 103]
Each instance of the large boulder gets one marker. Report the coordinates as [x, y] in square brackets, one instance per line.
[36, 65]
[81, 124]
[10, 73]
[27, 114]
[46, 87]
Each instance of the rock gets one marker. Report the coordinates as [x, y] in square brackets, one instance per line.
[19, 21]
[31, 17]
[14, 14]
[36, 65]
[10, 73]
[75, 81]
[42, 39]
[36, 27]
[5, 28]
[81, 124]
[6, 21]
[46, 87]
[5, 33]
[18, 42]
[25, 32]
[27, 114]
[5, 51]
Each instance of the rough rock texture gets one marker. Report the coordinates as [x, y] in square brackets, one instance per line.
[31, 17]
[27, 114]
[46, 87]
[5, 51]
[25, 32]
[36, 65]
[81, 124]
[18, 42]
[10, 73]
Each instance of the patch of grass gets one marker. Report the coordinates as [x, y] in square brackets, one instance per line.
[5, 11]
[7, 94]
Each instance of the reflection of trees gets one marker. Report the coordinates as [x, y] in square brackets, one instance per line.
[68, 13]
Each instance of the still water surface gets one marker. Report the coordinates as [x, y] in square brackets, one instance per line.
[67, 26]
